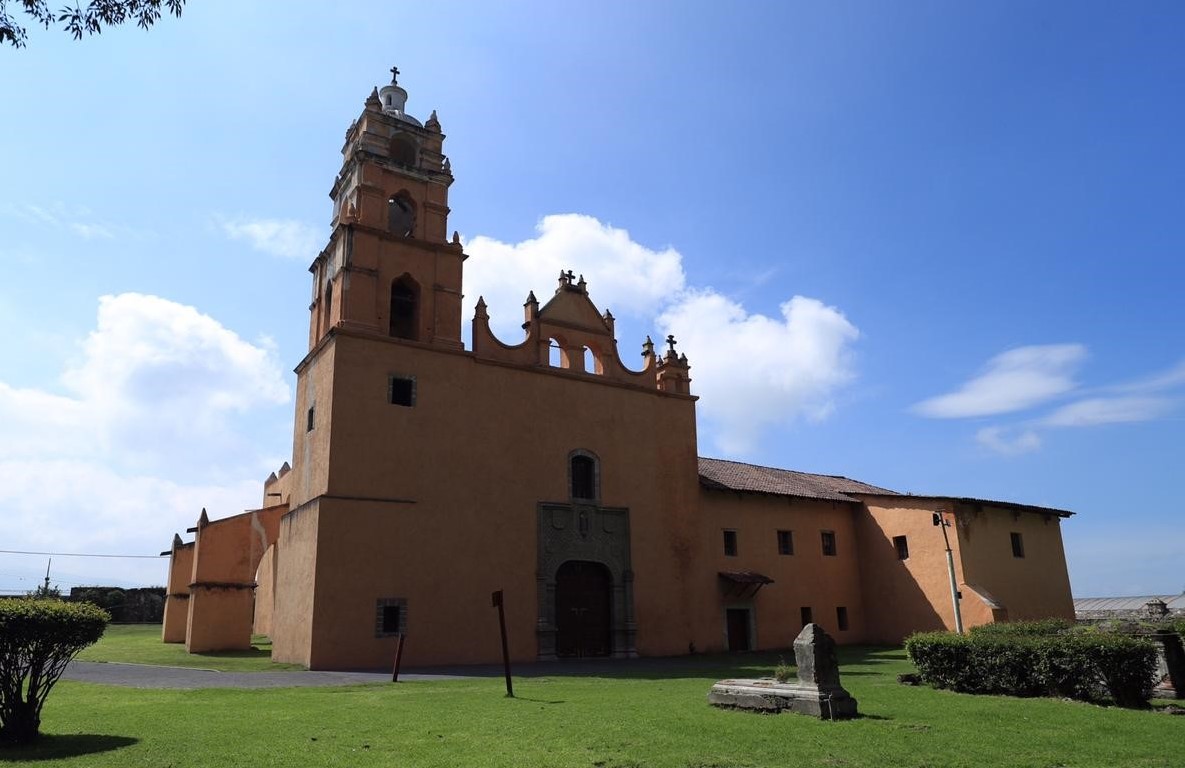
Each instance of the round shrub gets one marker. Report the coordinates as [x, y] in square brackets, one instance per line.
[37, 640]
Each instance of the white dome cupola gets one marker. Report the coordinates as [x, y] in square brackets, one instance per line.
[394, 99]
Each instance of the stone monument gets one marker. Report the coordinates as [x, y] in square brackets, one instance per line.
[817, 691]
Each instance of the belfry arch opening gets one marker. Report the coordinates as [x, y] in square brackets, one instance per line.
[405, 308]
[400, 150]
[401, 215]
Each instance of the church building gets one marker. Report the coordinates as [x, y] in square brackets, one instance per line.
[426, 475]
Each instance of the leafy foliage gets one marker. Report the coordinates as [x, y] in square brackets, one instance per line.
[1038, 628]
[37, 639]
[77, 20]
[1033, 660]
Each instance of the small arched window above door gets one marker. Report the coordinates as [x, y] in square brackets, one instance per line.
[584, 476]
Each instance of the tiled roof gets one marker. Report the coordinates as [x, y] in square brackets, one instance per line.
[982, 502]
[736, 476]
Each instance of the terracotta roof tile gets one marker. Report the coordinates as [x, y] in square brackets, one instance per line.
[737, 476]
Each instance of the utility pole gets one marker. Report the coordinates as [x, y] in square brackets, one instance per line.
[941, 521]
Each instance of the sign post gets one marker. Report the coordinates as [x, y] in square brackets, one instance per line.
[496, 602]
[398, 657]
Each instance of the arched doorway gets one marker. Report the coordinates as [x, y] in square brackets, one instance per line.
[583, 591]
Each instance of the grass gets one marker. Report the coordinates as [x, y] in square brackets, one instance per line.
[622, 717]
[141, 644]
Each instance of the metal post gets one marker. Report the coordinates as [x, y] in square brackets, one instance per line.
[496, 602]
[398, 657]
[941, 522]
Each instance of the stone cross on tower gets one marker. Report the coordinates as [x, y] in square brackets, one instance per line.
[394, 75]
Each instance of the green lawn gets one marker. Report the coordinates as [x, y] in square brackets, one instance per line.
[612, 720]
[141, 644]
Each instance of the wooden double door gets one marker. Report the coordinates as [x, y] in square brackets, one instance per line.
[583, 610]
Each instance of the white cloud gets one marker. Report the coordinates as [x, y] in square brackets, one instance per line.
[1157, 382]
[751, 371]
[1008, 442]
[629, 279]
[148, 430]
[78, 219]
[1016, 380]
[287, 238]
[1108, 410]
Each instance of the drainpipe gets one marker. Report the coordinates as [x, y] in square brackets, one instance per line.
[942, 523]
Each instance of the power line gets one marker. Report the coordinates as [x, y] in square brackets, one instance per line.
[75, 554]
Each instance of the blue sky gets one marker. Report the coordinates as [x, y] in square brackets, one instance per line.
[930, 246]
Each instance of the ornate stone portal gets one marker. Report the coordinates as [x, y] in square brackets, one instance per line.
[592, 534]
[816, 693]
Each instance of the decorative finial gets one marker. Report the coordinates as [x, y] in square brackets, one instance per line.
[456, 237]
[394, 75]
[530, 299]
[447, 165]
[648, 347]
[671, 344]
[177, 541]
[583, 286]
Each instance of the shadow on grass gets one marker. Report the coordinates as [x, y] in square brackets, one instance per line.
[253, 653]
[56, 746]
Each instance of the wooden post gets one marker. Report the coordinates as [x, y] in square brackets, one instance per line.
[398, 657]
[496, 602]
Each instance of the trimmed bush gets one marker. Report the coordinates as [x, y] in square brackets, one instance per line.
[1038, 628]
[37, 639]
[1034, 663]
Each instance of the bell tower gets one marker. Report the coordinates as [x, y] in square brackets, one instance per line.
[389, 267]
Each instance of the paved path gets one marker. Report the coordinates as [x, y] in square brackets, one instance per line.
[148, 676]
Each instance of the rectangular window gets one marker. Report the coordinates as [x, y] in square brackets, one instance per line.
[785, 542]
[401, 390]
[312, 419]
[829, 543]
[841, 618]
[901, 544]
[390, 617]
[730, 543]
[1018, 545]
[805, 613]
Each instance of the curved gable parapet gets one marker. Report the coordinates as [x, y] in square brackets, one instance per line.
[572, 325]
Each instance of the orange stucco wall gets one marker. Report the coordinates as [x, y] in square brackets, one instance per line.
[221, 588]
[437, 503]
[265, 595]
[176, 616]
[912, 595]
[296, 560]
[806, 578]
[1031, 587]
